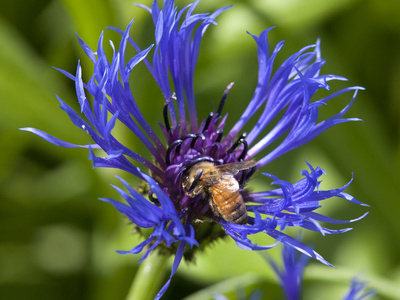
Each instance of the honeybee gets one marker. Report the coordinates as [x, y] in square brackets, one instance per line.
[218, 184]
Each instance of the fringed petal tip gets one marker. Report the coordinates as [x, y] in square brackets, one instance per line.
[358, 291]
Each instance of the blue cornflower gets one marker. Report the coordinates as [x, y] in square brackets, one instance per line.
[291, 274]
[357, 291]
[178, 196]
[290, 277]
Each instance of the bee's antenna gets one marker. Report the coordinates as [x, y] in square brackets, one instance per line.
[195, 181]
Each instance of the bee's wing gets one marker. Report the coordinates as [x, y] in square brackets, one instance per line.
[222, 176]
[235, 167]
[213, 179]
[225, 183]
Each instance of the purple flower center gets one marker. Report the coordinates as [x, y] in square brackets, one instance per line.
[185, 151]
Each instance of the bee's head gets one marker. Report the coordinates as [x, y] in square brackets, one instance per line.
[191, 179]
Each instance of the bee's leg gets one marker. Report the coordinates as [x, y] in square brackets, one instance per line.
[195, 181]
[240, 140]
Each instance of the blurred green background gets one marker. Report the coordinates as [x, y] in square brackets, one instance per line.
[58, 242]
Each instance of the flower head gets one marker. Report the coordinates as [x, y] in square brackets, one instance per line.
[199, 172]
[290, 277]
[291, 274]
[357, 290]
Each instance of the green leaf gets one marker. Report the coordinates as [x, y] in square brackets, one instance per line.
[296, 14]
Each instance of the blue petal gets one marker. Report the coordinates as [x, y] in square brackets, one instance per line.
[136, 59]
[137, 249]
[177, 261]
[292, 242]
[89, 52]
[55, 140]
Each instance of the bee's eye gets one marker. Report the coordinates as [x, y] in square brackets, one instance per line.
[186, 181]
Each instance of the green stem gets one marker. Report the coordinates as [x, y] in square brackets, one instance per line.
[149, 277]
